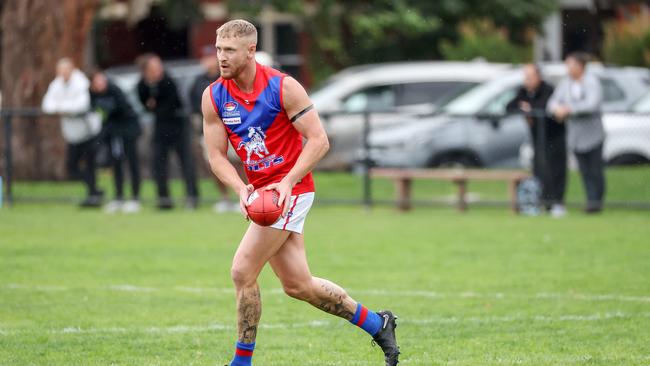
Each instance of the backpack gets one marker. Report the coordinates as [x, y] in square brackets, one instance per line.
[529, 197]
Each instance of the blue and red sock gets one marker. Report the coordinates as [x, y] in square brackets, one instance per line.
[367, 320]
[243, 354]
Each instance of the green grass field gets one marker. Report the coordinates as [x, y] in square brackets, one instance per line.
[481, 288]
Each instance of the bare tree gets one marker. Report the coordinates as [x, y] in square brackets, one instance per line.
[35, 33]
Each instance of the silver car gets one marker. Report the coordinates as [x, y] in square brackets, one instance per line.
[390, 92]
[474, 129]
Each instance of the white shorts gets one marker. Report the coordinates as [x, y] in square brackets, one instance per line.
[298, 210]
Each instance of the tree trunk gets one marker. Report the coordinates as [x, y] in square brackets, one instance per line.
[35, 34]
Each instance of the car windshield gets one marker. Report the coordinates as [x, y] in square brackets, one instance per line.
[454, 93]
[642, 105]
[472, 101]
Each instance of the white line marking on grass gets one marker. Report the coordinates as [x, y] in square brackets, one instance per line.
[532, 360]
[203, 290]
[500, 295]
[535, 318]
[177, 328]
[326, 323]
[131, 288]
[15, 286]
[595, 297]
[366, 292]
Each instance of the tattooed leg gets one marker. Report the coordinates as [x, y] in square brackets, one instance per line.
[331, 298]
[257, 246]
[249, 311]
[290, 265]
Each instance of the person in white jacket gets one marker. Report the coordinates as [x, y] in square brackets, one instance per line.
[68, 96]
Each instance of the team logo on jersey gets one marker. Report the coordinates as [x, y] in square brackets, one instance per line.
[254, 144]
[257, 155]
[230, 107]
[230, 114]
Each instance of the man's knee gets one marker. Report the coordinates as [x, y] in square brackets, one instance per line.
[241, 276]
[301, 290]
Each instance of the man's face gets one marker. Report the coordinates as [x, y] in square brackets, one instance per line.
[99, 83]
[574, 68]
[64, 70]
[154, 70]
[233, 54]
[531, 78]
[210, 63]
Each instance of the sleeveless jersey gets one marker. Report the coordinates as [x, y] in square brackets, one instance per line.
[259, 128]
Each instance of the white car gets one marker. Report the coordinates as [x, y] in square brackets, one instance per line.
[628, 134]
[391, 92]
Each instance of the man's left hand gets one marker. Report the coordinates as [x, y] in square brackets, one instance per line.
[284, 188]
[562, 112]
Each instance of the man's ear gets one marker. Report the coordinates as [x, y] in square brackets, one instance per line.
[251, 50]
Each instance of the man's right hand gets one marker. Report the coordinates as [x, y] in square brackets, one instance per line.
[244, 193]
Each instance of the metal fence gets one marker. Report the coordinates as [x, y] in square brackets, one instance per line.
[362, 167]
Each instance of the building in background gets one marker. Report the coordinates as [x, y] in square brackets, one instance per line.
[577, 26]
[125, 29]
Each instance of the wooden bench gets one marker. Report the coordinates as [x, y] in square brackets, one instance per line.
[403, 178]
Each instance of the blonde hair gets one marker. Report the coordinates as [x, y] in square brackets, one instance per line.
[65, 61]
[238, 28]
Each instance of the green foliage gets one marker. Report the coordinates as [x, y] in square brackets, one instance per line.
[483, 40]
[628, 43]
[179, 13]
[345, 33]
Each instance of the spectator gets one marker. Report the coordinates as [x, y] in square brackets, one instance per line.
[68, 96]
[577, 101]
[159, 95]
[211, 66]
[548, 137]
[120, 132]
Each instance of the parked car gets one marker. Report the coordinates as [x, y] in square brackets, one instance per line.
[390, 92]
[474, 129]
[628, 134]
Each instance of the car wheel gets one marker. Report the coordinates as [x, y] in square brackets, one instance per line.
[455, 160]
[628, 159]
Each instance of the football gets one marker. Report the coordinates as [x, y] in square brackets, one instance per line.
[263, 207]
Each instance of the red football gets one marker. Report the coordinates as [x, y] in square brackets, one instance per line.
[263, 207]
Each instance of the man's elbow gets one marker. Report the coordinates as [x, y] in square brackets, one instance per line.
[325, 144]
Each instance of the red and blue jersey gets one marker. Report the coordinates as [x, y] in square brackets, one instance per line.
[259, 128]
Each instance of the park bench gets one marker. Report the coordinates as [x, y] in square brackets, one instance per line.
[403, 178]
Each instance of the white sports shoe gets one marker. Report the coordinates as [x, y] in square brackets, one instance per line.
[131, 206]
[113, 207]
[222, 207]
[558, 211]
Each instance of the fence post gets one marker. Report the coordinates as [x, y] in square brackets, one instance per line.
[367, 192]
[6, 118]
[539, 151]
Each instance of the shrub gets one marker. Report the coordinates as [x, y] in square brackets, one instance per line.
[483, 39]
[628, 42]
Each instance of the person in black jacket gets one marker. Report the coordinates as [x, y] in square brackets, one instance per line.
[210, 64]
[548, 137]
[157, 92]
[120, 131]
